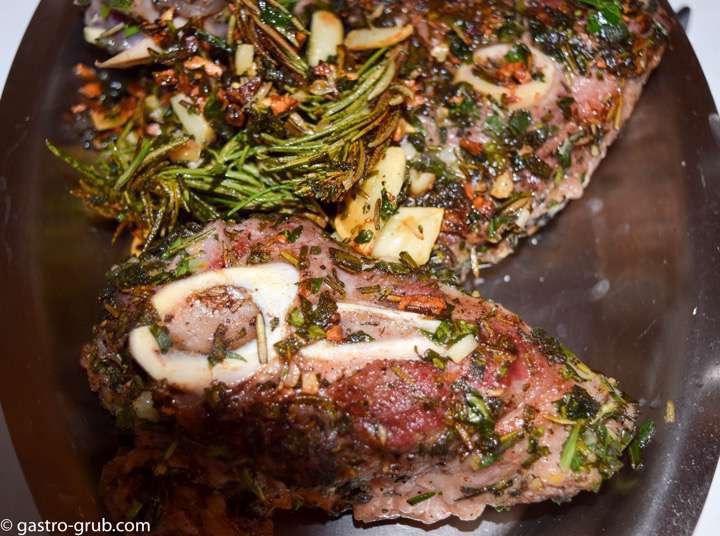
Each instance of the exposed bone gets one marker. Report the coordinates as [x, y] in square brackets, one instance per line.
[273, 289]
[400, 348]
[185, 370]
[385, 314]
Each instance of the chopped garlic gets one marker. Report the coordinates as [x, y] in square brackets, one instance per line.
[370, 38]
[326, 34]
[310, 385]
[421, 182]
[360, 210]
[244, 55]
[440, 51]
[194, 124]
[502, 187]
[413, 230]
[462, 348]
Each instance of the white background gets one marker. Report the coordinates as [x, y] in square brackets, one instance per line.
[704, 33]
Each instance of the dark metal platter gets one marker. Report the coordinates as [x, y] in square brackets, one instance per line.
[629, 277]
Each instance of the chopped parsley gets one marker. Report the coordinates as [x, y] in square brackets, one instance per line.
[606, 20]
[359, 336]
[519, 53]
[577, 405]
[451, 331]
[642, 439]
[162, 337]
[364, 236]
[292, 235]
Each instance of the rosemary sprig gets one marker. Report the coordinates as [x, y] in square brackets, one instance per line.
[152, 194]
[137, 183]
[272, 29]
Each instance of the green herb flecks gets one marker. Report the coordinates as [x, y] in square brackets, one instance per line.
[292, 234]
[519, 53]
[364, 236]
[606, 20]
[570, 448]
[358, 336]
[577, 405]
[417, 499]
[642, 439]
[162, 337]
[451, 331]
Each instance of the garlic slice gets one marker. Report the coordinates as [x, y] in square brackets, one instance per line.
[421, 182]
[462, 348]
[363, 202]
[326, 34]
[502, 186]
[244, 55]
[413, 230]
[91, 34]
[194, 124]
[522, 96]
[137, 54]
[369, 38]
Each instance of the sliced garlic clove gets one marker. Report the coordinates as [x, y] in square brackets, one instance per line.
[521, 96]
[360, 210]
[244, 55]
[309, 383]
[326, 35]
[462, 348]
[503, 186]
[370, 38]
[194, 124]
[91, 34]
[413, 230]
[190, 151]
[137, 54]
[421, 182]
